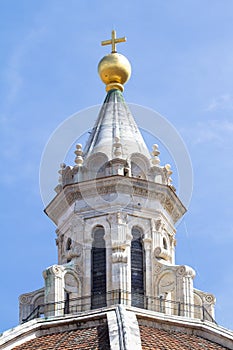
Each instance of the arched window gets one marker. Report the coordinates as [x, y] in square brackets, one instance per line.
[98, 269]
[137, 269]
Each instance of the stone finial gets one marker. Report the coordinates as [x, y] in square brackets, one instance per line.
[61, 172]
[169, 172]
[155, 153]
[117, 148]
[79, 152]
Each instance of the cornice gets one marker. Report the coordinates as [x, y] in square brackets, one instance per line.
[116, 184]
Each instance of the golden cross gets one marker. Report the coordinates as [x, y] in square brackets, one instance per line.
[113, 41]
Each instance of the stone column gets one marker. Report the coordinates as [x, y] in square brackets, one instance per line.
[118, 227]
[108, 246]
[54, 291]
[86, 286]
[173, 245]
[59, 242]
[148, 269]
[155, 226]
[185, 275]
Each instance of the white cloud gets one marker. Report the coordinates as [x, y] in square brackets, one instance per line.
[21, 53]
[210, 131]
[221, 103]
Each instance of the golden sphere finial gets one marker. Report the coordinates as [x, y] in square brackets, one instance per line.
[114, 69]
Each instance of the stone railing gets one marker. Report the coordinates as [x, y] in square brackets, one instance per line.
[119, 297]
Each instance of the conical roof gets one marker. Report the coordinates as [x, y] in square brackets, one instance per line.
[115, 124]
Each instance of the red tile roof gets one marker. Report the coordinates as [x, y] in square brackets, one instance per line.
[159, 339]
[94, 338]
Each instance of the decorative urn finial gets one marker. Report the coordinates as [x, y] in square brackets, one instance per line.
[114, 69]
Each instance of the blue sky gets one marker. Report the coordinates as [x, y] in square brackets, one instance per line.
[181, 54]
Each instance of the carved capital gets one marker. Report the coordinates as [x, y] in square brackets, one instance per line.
[147, 243]
[56, 270]
[119, 245]
[119, 255]
[158, 224]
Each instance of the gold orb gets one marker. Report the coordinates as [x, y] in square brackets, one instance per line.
[114, 70]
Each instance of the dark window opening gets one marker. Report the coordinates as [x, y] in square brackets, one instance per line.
[67, 303]
[164, 243]
[98, 269]
[68, 244]
[137, 269]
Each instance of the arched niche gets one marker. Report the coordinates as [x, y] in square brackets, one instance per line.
[96, 165]
[72, 292]
[38, 302]
[139, 166]
[166, 293]
[198, 311]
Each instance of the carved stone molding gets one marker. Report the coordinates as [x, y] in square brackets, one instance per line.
[140, 191]
[74, 268]
[158, 224]
[161, 197]
[31, 297]
[71, 197]
[157, 269]
[25, 299]
[147, 243]
[184, 271]
[168, 205]
[82, 190]
[119, 255]
[161, 253]
[59, 239]
[167, 283]
[209, 299]
[118, 218]
[75, 252]
[56, 270]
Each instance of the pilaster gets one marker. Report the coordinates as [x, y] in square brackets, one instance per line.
[54, 291]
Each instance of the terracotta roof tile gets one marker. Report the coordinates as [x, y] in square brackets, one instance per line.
[158, 339]
[94, 338]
